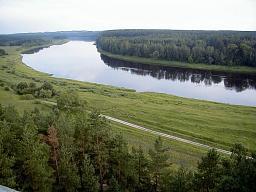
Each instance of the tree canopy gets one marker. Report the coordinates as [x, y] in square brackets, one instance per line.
[209, 47]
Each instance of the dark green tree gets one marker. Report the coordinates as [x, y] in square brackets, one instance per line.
[158, 163]
[208, 174]
[37, 174]
[7, 160]
[89, 180]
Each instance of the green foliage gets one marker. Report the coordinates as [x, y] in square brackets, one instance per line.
[210, 47]
[69, 101]
[140, 170]
[2, 52]
[46, 90]
[6, 88]
[208, 172]
[27, 97]
[178, 181]
[89, 181]
[114, 186]
[7, 160]
[158, 163]
[37, 174]
[78, 153]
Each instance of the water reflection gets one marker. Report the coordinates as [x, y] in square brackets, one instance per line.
[80, 60]
[238, 82]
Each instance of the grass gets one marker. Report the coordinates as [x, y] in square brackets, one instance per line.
[199, 66]
[216, 124]
[180, 154]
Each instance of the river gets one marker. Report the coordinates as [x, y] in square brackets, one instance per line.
[80, 60]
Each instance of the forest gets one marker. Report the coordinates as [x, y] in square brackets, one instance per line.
[28, 39]
[71, 148]
[229, 48]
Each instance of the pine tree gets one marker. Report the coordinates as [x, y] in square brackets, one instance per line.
[35, 156]
[140, 170]
[159, 162]
[68, 171]
[113, 185]
[120, 159]
[99, 151]
[208, 171]
[7, 160]
[89, 181]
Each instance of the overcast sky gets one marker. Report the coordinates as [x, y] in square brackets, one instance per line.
[53, 15]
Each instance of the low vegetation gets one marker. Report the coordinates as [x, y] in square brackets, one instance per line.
[2, 52]
[46, 90]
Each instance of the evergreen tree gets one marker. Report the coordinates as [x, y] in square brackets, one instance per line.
[7, 160]
[113, 185]
[68, 171]
[120, 159]
[178, 181]
[207, 177]
[99, 150]
[89, 181]
[140, 170]
[159, 162]
[36, 174]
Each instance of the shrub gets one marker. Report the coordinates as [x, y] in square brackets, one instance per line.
[47, 86]
[45, 93]
[27, 97]
[6, 88]
[2, 52]
[22, 85]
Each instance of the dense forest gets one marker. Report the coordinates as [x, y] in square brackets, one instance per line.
[73, 149]
[45, 38]
[229, 48]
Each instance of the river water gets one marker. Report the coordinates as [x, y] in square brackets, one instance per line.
[80, 60]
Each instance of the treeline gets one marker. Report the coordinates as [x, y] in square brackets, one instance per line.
[31, 39]
[209, 47]
[70, 149]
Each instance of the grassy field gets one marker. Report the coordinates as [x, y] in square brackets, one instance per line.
[180, 153]
[199, 66]
[212, 123]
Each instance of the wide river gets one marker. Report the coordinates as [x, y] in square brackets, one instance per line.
[81, 61]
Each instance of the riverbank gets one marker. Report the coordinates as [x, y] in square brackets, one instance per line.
[215, 124]
[177, 64]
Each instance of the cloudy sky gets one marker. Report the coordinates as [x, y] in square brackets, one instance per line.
[52, 15]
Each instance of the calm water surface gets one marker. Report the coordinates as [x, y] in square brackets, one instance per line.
[80, 60]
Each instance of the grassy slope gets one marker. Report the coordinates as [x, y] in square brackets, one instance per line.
[180, 153]
[207, 122]
[221, 68]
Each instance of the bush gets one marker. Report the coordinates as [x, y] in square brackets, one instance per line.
[22, 85]
[45, 93]
[47, 86]
[37, 102]
[6, 88]
[27, 97]
[2, 52]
